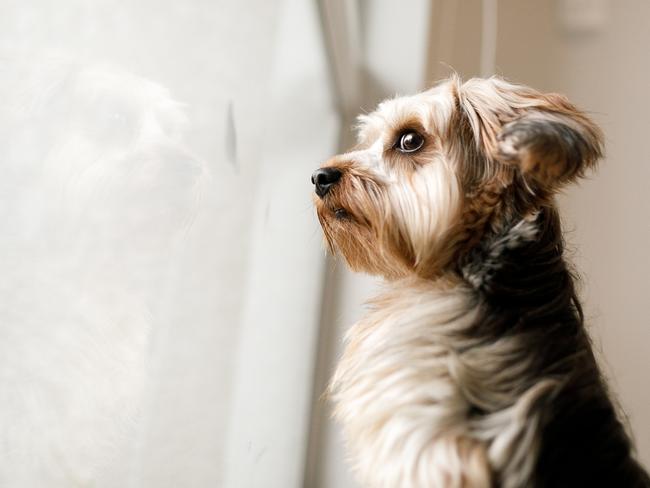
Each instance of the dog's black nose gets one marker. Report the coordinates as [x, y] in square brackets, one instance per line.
[324, 178]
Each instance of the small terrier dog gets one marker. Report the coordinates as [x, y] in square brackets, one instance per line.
[473, 368]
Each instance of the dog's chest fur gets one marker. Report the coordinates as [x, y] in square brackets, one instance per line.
[409, 385]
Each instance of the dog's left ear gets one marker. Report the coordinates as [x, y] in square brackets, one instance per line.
[548, 139]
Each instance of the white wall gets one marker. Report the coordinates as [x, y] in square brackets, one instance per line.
[276, 346]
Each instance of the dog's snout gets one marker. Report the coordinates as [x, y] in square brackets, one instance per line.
[324, 178]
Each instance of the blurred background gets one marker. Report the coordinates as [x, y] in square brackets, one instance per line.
[168, 314]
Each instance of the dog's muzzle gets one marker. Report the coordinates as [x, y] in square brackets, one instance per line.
[324, 179]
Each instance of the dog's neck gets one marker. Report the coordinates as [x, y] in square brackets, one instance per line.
[520, 269]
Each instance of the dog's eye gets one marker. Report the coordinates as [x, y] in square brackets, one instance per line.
[410, 142]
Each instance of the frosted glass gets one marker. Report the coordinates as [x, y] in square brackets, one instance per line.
[156, 223]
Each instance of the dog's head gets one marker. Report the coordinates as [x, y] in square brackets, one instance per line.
[98, 166]
[434, 173]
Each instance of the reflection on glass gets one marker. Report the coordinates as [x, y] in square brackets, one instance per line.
[97, 189]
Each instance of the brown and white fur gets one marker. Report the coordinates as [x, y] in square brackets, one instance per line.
[473, 368]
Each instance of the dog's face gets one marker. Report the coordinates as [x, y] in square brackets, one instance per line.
[435, 172]
[98, 167]
[122, 142]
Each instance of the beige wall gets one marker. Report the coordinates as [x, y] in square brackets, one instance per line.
[606, 72]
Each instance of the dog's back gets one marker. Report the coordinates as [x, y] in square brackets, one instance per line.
[528, 292]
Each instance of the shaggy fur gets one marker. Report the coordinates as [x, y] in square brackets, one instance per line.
[473, 367]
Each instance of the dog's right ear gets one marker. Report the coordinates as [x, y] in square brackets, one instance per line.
[543, 136]
[550, 146]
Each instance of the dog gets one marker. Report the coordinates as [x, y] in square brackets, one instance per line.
[473, 368]
[98, 186]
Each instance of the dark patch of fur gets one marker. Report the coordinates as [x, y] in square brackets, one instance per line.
[547, 149]
[528, 293]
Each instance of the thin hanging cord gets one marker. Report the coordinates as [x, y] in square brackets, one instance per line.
[488, 38]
